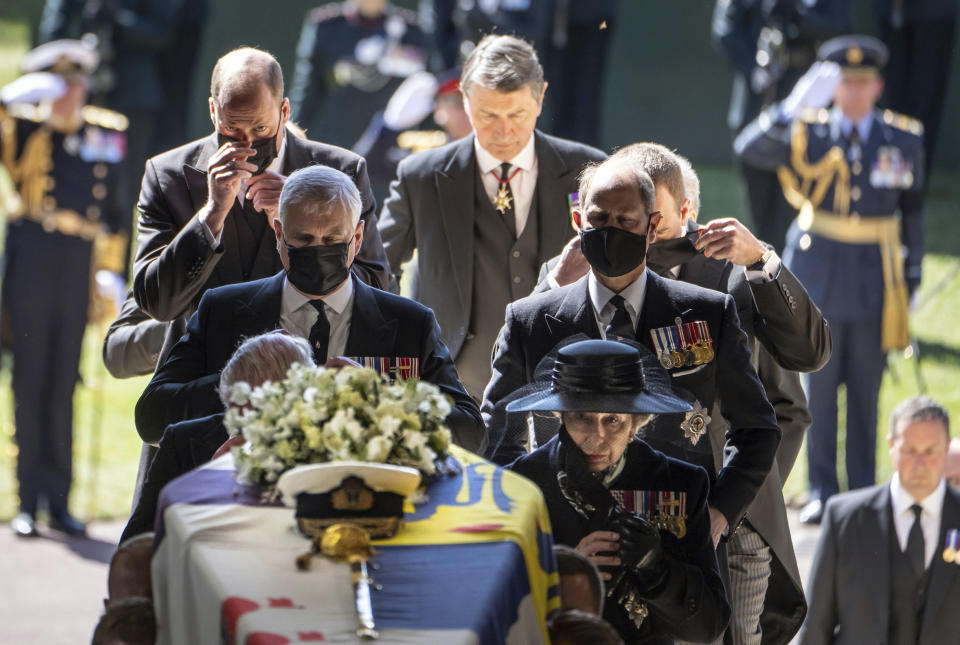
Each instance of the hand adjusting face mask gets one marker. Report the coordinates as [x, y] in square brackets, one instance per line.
[318, 270]
[266, 149]
[612, 251]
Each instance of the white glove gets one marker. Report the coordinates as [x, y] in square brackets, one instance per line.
[33, 88]
[111, 286]
[814, 89]
[412, 102]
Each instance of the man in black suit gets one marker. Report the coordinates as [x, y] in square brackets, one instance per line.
[885, 566]
[188, 444]
[318, 235]
[484, 212]
[787, 332]
[619, 297]
[205, 207]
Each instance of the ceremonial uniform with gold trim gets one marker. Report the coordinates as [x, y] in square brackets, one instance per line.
[857, 247]
[348, 66]
[66, 224]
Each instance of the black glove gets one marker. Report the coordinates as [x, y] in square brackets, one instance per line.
[640, 550]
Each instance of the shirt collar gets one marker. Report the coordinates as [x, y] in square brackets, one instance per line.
[338, 300]
[902, 500]
[863, 125]
[525, 159]
[633, 294]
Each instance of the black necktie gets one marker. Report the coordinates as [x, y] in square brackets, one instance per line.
[320, 333]
[509, 212]
[620, 324]
[853, 145]
[915, 546]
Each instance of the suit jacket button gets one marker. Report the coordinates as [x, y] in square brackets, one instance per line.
[692, 604]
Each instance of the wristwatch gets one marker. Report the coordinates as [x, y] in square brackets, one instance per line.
[759, 264]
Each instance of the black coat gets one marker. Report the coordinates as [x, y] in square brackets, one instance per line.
[382, 324]
[692, 605]
[175, 265]
[183, 447]
[535, 324]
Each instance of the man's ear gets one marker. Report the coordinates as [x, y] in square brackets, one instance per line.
[652, 227]
[213, 111]
[576, 219]
[686, 211]
[358, 237]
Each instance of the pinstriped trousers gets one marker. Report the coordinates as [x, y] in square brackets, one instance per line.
[748, 560]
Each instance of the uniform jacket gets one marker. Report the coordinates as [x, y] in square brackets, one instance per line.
[874, 191]
[535, 324]
[174, 264]
[850, 579]
[382, 324]
[692, 605]
[431, 209]
[183, 447]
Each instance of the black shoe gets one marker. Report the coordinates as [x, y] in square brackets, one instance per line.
[65, 523]
[812, 513]
[24, 525]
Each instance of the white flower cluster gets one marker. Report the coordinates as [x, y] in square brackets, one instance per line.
[318, 415]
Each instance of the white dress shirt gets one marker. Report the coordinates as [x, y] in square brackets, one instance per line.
[523, 185]
[903, 517]
[275, 166]
[600, 296]
[863, 125]
[298, 316]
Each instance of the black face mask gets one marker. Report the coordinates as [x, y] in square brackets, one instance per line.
[318, 270]
[613, 251]
[664, 255]
[266, 150]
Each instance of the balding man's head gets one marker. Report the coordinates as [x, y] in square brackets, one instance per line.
[242, 73]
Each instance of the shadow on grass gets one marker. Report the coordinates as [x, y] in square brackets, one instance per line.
[939, 352]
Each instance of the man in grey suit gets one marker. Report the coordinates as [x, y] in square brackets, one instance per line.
[885, 569]
[484, 212]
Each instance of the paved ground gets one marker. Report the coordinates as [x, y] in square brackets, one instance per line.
[52, 587]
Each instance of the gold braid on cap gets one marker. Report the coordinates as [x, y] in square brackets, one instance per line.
[808, 182]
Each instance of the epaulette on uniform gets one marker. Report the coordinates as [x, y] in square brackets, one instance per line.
[814, 115]
[325, 12]
[420, 140]
[903, 122]
[25, 111]
[104, 118]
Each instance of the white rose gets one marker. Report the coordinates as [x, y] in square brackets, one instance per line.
[378, 448]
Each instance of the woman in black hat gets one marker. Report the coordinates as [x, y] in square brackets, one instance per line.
[634, 512]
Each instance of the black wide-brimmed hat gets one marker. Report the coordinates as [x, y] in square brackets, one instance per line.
[602, 376]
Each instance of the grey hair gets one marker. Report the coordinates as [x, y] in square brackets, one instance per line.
[503, 63]
[262, 358]
[571, 562]
[919, 408]
[691, 183]
[319, 190]
[643, 181]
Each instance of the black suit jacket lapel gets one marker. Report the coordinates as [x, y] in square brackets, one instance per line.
[261, 311]
[229, 272]
[574, 315]
[370, 333]
[942, 574]
[551, 200]
[455, 190]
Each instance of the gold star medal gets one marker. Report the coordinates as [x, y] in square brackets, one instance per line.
[502, 202]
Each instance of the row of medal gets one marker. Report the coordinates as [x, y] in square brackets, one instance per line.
[951, 550]
[683, 344]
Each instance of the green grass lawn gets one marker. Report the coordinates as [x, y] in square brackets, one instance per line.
[106, 445]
